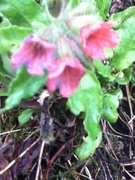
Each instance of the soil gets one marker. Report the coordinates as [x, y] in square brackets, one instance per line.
[113, 160]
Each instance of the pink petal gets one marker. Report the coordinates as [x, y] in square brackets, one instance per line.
[70, 83]
[35, 53]
[95, 39]
[65, 77]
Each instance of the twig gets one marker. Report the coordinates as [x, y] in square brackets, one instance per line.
[133, 178]
[39, 160]
[18, 157]
[133, 118]
[54, 158]
[88, 173]
[124, 135]
[8, 132]
[129, 101]
[82, 169]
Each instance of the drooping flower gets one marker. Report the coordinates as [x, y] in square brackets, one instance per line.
[35, 53]
[95, 38]
[65, 75]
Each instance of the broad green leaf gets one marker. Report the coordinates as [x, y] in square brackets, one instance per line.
[22, 87]
[12, 14]
[111, 104]
[88, 99]
[7, 65]
[116, 92]
[104, 70]
[12, 36]
[124, 53]
[124, 78]
[4, 77]
[4, 21]
[88, 147]
[31, 11]
[103, 7]
[121, 17]
[25, 116]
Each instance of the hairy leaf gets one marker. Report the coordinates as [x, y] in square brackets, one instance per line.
[11, 36]
[111, 104]
[4, 77]
[123, 78]
[4, 21]
[104, 70]
[7, 65]
[124, 53]
[121, 17]
[12, 14]
[22, 87]
[88, 99]
[29, 10]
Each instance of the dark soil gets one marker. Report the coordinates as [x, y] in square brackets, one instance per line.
[113, 160]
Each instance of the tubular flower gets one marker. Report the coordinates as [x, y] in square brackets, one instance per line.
[65, 75]
[35, 53]
[95, 39]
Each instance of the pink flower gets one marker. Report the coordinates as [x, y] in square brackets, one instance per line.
[95, 39]
[65, 75]
[35, 53]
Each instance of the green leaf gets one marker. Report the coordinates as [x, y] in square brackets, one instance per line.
[121, 17]
[4, 21]
[111, 104]
[22, 87]
[25, 116]
[12, 36]
[88, 99]
[4, 77]
[104, 70]
[7, 65]
[124, 53]
[103, 7]
[31, 11]
[89, 145]
[11, 14]
[124, 78]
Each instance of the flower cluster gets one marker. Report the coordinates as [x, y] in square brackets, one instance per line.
[64, 71]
